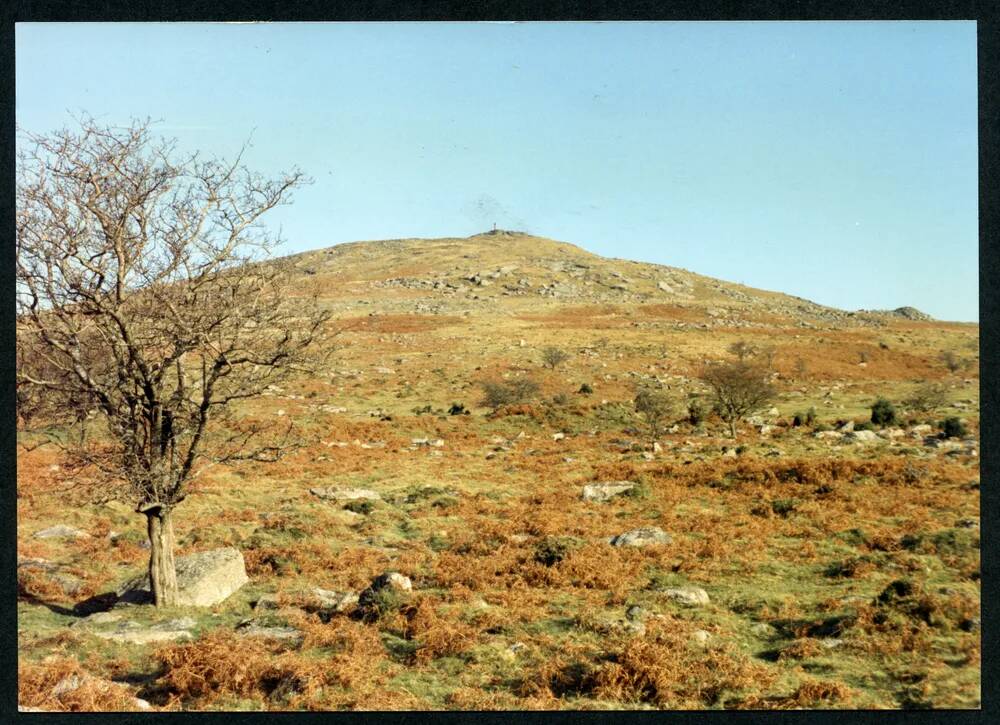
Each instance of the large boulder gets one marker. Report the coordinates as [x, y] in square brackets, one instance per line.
[203, 579]
[601, 492]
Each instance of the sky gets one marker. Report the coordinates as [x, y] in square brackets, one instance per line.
[835, 161]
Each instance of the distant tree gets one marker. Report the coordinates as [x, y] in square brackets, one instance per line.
[768, 353]
[739, 389]
[926, 398]
[742, 350]
[498, 393]
[553, 357]
[144, 310]
[655, 408]
[952, 361]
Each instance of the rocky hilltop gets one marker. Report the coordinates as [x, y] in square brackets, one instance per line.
[524, 272]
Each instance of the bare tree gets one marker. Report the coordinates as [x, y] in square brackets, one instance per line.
[739, 389]
[553, 357]
[655, 407]
[146, 308]
[742, 349]
[952, 361]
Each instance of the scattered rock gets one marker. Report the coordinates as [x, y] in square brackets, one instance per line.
[203, 579]
[601, 492]
[558, 436]
[642, 537]
[688, 596]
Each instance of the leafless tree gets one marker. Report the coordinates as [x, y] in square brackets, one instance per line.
[553, 357]
[739, 389]
[742, 349]
[655, 407]
[952, 361]
[147, 307]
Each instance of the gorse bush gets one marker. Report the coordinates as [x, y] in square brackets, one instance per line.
[696, 412]
[883, 413]
[952, 428]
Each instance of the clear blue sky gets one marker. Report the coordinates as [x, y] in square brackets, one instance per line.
[834, 161]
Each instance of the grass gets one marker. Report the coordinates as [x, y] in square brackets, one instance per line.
[518, 601]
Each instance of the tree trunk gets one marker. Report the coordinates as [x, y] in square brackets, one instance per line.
[162, 573]
[732, 428]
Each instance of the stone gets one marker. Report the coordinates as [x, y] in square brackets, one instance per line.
[642, 537]
[847, 427]
[288, 634]
[688, 596]
[918, 431]
[830, 434]
[345, 494]
[635, 613]
[864, 436]
[74, 682]
[701, 637]
[61, 531]
[203, 579]
[558, 436]
[763, 630]
[601, 492]
[335, 601]
[134, 633]
[267, 602]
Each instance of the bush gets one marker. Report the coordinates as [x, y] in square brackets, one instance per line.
[926, 398]
[952, 428]
[457, 409]
[497, 394]
[807, 418]
[585, 389]
[655, 408]
[883, 413]
[553, 357]
[696, 412]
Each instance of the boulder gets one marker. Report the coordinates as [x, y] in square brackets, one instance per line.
[253, 629]
[345, 494]
[74, 682]
[334, 601]
[864, 436]
[688, 596]
[642, 537]
[203, 579]
[134, 633]
[601, 492]
[61, 531]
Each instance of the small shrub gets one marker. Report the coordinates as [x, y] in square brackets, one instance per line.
[883, 413]
[360, 506]
[952, 428]
[560, 399]
[585, 389]
[457, 409]
[783, 506]
[553, 549]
